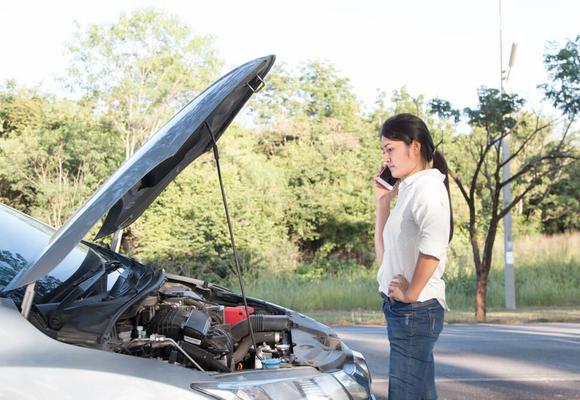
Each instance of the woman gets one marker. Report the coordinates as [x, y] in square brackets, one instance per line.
[411, 241]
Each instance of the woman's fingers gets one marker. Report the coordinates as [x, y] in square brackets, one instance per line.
[396, 293]
[402, 282]
[397, 286]
[377, 184]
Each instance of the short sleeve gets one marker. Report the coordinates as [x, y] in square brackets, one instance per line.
[431, 213]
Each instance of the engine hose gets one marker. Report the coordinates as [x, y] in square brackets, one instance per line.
[204, 358]
[244, 346]
[261, 323]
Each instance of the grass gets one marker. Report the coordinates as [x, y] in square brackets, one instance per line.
[519, 316]
[547, 287]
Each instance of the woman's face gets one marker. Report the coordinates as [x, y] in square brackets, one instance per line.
[401, 158]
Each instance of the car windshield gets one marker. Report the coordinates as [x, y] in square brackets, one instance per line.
[22, 238]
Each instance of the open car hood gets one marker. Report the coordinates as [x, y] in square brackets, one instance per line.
[138, 182]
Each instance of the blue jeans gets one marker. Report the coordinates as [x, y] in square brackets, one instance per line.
[413, 330]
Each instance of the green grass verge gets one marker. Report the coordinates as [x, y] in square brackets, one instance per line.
[519, 316]
[547, 287]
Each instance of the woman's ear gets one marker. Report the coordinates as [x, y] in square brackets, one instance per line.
[416, 148]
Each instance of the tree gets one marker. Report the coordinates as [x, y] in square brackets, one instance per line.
[140, 70]
[185, 229]
[312, 131]
[558, 208]
[279, 100]
[538, 153]
[315, 92]
[563, 66]
[559, 205]
[53, 153]
[326, 94]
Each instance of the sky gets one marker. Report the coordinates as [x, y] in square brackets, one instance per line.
[443, 48]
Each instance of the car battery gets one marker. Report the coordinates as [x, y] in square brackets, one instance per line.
[233, 315]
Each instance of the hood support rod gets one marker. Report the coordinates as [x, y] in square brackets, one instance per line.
[236, 259]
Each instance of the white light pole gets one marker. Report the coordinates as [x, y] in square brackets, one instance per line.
[509, 272]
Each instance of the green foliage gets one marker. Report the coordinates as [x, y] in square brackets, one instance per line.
[444, 110]
[279, 99]
[329, 180]
[563, 65]
[316, 92]
[21, 108]
[52, 158]
[325, 267]
[306, 292]
[325, 93]
[495, 111]
[558, 208]
[139, 70]
[400, 101]
[185, 230]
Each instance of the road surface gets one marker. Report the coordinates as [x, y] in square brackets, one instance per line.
[528, 361]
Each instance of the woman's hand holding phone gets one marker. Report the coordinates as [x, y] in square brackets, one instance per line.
[386, 186]
[386, 178]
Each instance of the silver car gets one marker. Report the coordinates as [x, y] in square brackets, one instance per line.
[80, 321]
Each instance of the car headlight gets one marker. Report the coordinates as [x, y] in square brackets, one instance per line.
[337, 386]
[359, 368]
[354, 388]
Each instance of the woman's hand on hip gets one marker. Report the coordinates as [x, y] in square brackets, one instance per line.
[398, 288]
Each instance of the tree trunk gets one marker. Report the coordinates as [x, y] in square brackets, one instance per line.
[481, 283]
[480, 296]
[483, 273]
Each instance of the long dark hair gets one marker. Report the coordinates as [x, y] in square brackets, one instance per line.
[408, 127]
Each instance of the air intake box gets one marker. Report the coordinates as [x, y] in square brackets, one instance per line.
[180, 323]
[195, 327]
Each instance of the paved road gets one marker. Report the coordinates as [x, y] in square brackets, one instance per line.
[532, 361]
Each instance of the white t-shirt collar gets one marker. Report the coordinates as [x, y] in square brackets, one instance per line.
[426, 172]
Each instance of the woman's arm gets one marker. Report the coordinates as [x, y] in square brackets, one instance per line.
[383, 199]
[400, 289]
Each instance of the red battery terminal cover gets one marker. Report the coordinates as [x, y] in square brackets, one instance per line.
[233, 315]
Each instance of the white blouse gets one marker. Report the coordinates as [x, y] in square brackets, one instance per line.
[419, 223]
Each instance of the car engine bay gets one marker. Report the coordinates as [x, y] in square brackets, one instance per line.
[179, 326]
[183, 321]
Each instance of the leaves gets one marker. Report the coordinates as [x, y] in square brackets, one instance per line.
[495, 111]
[139, 70]
[315, 92]
[563, 66]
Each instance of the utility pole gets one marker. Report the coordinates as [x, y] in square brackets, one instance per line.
[509, 272]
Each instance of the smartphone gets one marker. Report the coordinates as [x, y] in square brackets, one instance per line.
[386, 179]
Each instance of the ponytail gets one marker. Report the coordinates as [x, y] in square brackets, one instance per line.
[440, 164]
